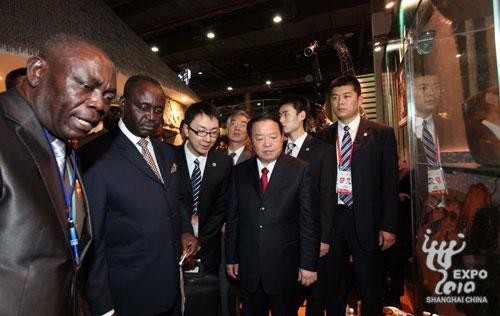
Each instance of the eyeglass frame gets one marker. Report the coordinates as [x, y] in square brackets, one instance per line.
[202, 133]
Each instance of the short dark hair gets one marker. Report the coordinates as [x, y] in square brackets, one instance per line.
[346, 80]
[134, 80]
[201, 108]
[11, 78]
[264, 116]
[299, 103]
[65, 40]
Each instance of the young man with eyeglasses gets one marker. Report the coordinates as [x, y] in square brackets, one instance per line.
[205, 175]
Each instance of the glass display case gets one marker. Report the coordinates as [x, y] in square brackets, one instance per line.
[448, 110]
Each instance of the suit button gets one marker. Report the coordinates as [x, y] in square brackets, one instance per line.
[262, 208]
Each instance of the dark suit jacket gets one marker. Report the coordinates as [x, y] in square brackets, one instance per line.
[272, 235]
[374, 171]
[212, 204]
[320, 156]
[137, 227]
[37, 272]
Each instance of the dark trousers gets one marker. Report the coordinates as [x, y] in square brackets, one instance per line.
[259, 303]
[316, 294]
[367, 268]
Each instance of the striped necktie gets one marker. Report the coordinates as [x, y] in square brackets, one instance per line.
[289, 148]
[345, 153]
[148, 157]
[196, 184]
[431, 158]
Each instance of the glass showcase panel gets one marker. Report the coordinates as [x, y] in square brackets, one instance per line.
[453, 120]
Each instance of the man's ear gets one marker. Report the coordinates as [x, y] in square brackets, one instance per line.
[185, 130]
[302, 115]
[35, 70]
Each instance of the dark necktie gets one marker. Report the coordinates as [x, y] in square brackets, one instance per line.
[264, 180]
[429, 146]
[232, 155]
[289, 148]
[345, 154]
[196, 184]
[148, 157]
[430, 156]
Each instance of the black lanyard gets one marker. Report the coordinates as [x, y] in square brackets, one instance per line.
[68, 197]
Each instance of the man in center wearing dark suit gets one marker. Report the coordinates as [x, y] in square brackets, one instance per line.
[133, 189]
[366, 209]
[293, 115]
[272, 232]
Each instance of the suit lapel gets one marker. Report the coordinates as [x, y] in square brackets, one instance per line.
[275, 176]
[361, 135]
[208, 174]
[253, 176]
[130, 152]
[31, 134]
[162, 164]
[306, 149]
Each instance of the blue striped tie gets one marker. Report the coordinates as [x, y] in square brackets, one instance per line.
[430, 156]
[345, 151]
[196, 184]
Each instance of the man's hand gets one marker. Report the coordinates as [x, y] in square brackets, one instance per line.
[306, 277]
[232, 270]
[189, 244]
[323, 249]
[386, 239]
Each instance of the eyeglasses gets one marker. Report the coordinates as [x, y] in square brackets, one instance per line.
[238, 123]
[213, 134]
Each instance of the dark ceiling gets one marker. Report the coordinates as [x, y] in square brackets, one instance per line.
[249, 48]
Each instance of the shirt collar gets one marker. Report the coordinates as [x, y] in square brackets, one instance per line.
[353, 125]
[299, 141]
[133, 138]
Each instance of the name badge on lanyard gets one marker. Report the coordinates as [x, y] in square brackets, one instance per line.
[435, 181]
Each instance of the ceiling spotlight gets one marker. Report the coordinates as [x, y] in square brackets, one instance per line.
[229, 88]
[155, 49]
[210, 35]
[268, 82]
[458, 55]
[200, 72]
[377, 48]
[258, 103]
[277, 18]
[389, 5]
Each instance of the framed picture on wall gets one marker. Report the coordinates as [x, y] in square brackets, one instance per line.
[402, 105]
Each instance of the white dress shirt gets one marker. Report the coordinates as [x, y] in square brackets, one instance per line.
[298, 144]
[134, 139]
[269, 167]
[419, 125]
[237, 153]
[190, 158]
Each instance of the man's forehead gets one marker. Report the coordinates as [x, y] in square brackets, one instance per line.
[206, 121]
[239, 117]
[343, 90]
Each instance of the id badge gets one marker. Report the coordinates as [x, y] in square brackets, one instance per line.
[194, 223]
[344, 181]
[435, 181]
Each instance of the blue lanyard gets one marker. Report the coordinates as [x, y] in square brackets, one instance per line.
[69, 197]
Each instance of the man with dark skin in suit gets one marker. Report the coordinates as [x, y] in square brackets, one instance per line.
[137, 211]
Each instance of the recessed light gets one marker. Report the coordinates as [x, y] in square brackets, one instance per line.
[155, 49]
[210, 35]
[458, 55]
[258, 103]
[200, 72]
[268, 82]
[389, 5]
[229, 88]
[277, 18]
